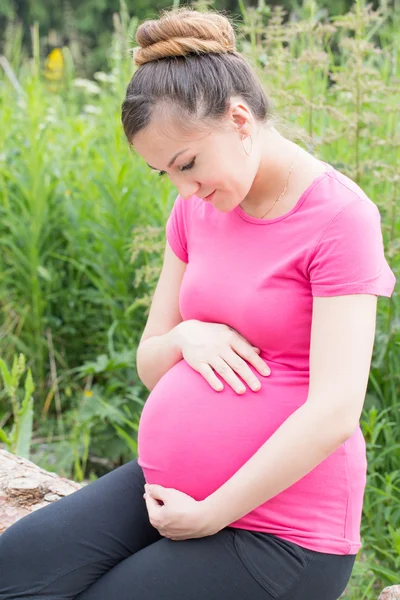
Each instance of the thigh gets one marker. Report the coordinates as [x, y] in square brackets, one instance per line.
[290, 572]
[231, 564]
[206, 568]
[58, 551]
[326, 577]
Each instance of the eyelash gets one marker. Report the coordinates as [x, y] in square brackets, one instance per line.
[184, 168]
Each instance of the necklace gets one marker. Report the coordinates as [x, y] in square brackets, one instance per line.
[286, 184]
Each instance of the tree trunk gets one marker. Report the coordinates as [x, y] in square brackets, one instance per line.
[25, 487]
[390, 593]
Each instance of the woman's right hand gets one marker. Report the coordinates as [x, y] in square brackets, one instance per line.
[209, 347]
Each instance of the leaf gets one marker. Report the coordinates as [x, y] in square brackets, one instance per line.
[44, 273]
[25, 429]
[99, 366]
[395, 535]
[29, 387]
[17, 369]
[128, 439]
[6, 376]
[4, 438]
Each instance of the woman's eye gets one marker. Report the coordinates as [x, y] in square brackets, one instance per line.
[186, 167]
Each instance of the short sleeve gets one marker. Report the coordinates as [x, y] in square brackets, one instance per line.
[177, 229]
[349, 257]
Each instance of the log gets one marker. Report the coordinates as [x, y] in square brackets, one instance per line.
[25, 487]
[390, 593]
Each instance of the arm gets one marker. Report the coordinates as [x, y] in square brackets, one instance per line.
[158, 350]
[342, 340]
[157, 355]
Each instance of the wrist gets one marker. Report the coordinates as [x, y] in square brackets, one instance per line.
[174, 340]
[212, 517]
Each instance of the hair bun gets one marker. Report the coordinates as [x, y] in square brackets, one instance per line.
[182, 31]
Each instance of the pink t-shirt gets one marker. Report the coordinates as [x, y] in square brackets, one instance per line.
[259, 277]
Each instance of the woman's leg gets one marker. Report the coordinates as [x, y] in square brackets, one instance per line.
[58, 551]
[230, 564]
[290, 572]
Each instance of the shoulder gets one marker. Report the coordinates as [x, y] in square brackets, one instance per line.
[335, 193]
[348, 256]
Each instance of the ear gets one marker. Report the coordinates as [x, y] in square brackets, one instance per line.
[241, 118]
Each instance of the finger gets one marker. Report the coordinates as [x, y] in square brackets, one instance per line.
[238, 365]
[224, 369]
[152, 505]
[243, 339]
[244, 345]
[155, 491]
[154, 502]
[246, 352]
[206, 371]
[148, 506]
[155, 517]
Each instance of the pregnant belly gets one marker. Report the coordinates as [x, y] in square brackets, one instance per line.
[193, 439]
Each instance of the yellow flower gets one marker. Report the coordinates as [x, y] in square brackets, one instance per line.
[88, 393]
[54, 67]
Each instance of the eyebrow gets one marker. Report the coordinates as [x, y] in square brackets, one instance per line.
[171, 162]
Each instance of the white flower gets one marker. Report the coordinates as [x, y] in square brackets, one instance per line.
[104, 77]
[92, 110]
[86, 84]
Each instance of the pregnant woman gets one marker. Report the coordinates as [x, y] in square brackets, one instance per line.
[273, 258]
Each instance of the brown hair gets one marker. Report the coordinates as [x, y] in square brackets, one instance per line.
[189, 67]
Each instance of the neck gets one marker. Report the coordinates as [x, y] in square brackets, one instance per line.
[276, 157]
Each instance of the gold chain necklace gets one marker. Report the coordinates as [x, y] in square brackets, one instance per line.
[286, 184]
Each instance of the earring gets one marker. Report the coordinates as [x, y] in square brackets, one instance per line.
[251, 150]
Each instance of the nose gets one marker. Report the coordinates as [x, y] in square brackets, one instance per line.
[186, 195]
[187, 186]
[186, 190]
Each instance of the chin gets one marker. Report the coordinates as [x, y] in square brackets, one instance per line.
[226, 204]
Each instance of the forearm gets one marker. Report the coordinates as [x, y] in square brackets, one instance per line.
[302, 442]
[157, 355]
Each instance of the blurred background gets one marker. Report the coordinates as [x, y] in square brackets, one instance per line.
[86, 27]
[82, 220]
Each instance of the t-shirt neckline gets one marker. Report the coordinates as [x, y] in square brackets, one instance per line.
[243, 215]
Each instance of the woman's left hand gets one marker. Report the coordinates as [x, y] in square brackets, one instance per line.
[180, 517]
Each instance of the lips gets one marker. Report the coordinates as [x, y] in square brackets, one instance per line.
[209, 197]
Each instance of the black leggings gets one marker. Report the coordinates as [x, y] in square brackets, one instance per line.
[98, 544]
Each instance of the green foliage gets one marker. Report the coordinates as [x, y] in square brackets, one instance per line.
[7, 10]
[19, 438]
[86, 27]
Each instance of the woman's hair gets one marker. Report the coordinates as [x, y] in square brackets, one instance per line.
[188, 70]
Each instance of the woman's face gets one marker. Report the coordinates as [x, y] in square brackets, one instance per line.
[203, 162]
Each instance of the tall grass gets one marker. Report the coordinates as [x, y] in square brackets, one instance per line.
[82, 231]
